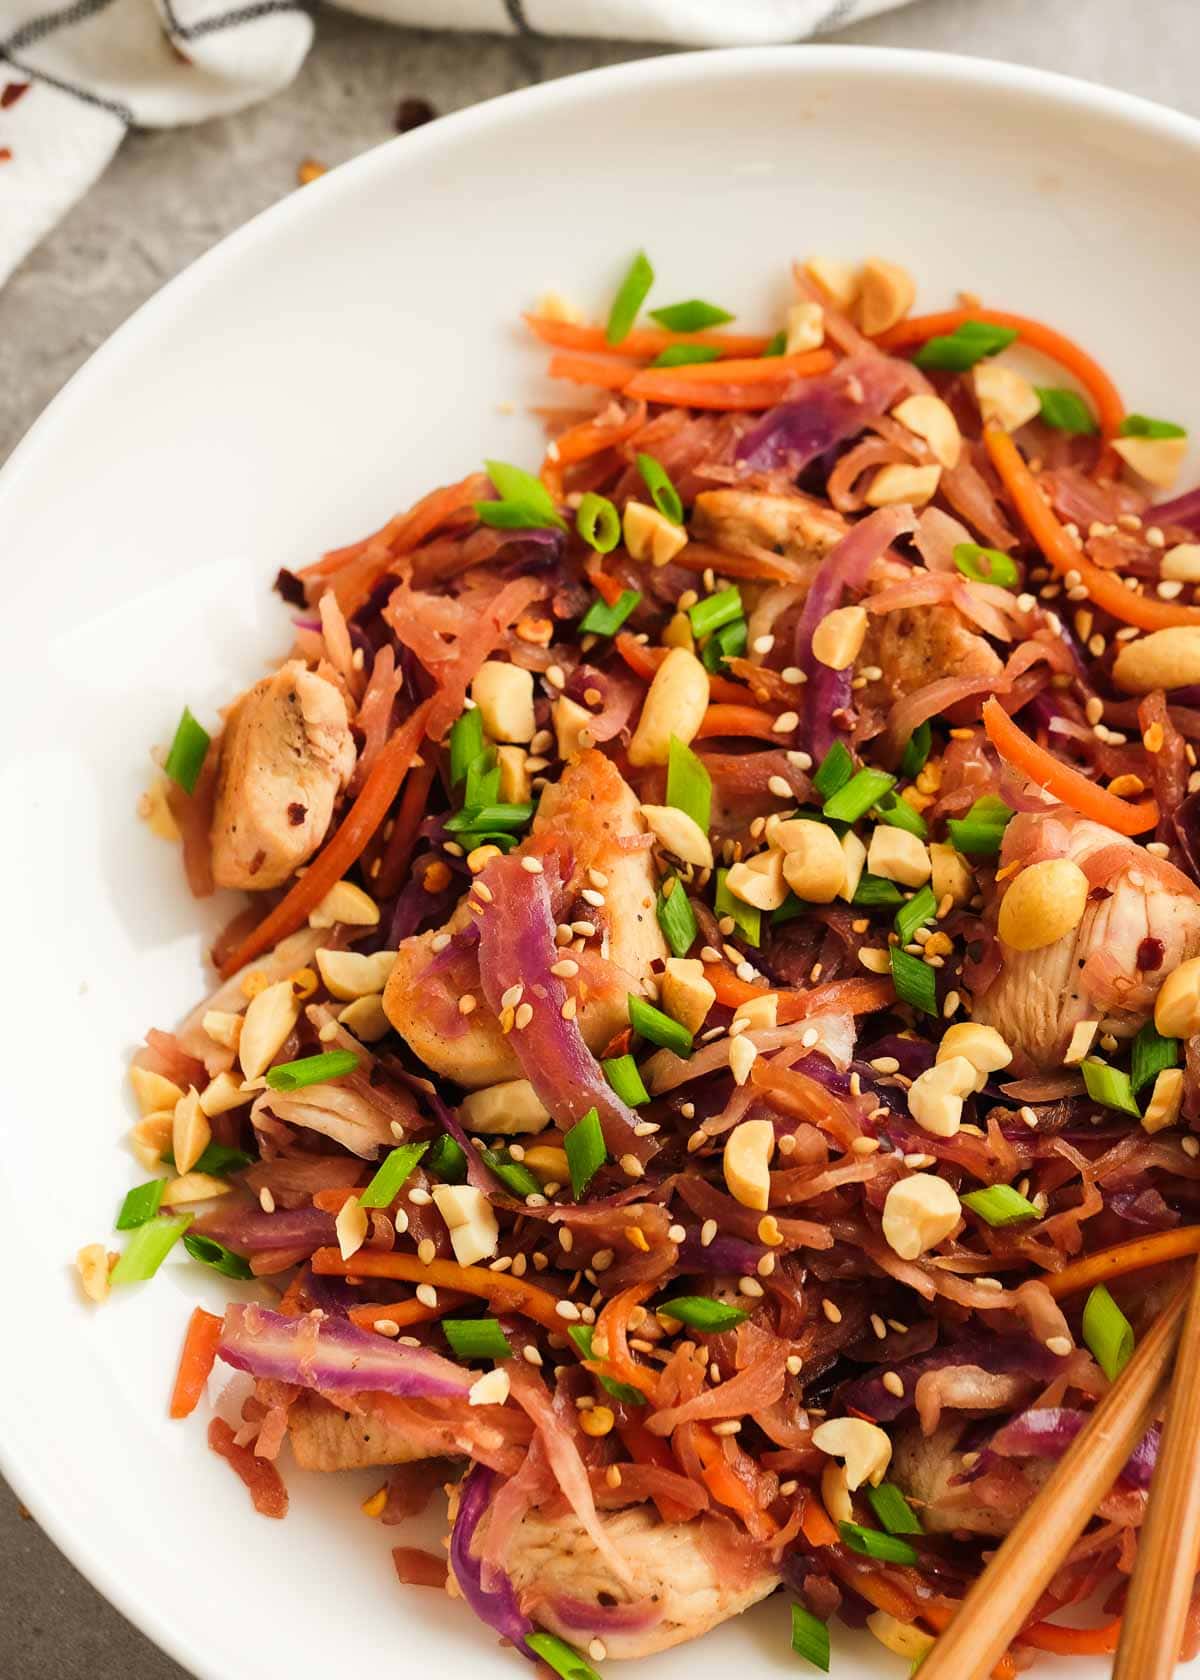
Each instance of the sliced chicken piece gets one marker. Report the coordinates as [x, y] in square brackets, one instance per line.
[687, 1577]
[790, 525]
[597, 814]
[286, 754]
[1142, 920]
[915, 646]
[924, 1467]
[325, 1438]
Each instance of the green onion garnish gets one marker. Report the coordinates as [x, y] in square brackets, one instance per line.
[876, 891]
[483, 781]
[141, 1204]
[662, 492]
[677, 919]
[691, 316]
[1151, 1054]
[184, 760]
[602, 620]
[392, 1175]
[689, 785]
[914, 980]
[466, 743]
[898, 813]
[777, 344]
[699, 1313]
[517, 516]
[986, 565]
[1000, 1205]
[1065, 411]
[489, 816]
[869, 1542]
[564, 1659]
[311, 1070]
[472, 837]
[217, 1160]
[622, 1074]
[210, 1252]
[912, 759]
[788, 910]
[148, 1247]
[586, 1152]
[747, 920]
[515, 485]
[598, 522]
[957, 351]
[1107, 1332]
[1109, 1085]
[982, 829]
[729, 642]
[1142, 426]
[581, 1335]
[516, 1179]
[919, 909]
[714, 611]
[834, 770]
[893, 1510]
[683, 355]
[810, 1637]
[855, 799]
[447, 1160]
[631, 295]
[644, 1018]
[477, 1338]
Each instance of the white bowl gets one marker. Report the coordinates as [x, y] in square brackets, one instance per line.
[323, 367]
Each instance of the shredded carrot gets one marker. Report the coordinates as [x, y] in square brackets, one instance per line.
[862, 995]
[580, 443]
[815, 1524]
[613, 1327]
[1104, 588]
[880, 1590]
[609, 589]
[644, 1448]
[610, 373]
[701, 557]
[726, 1486]
[755, 384]
[398, 849]
[729, 989]
[641, 341]
[196, 1361]
[919, 328]
[644, 661]
[333, 1201]
[505, 1292]
[747, 721]
[404, 1313]
[1069, 786]
[1124, 1257]
[1072, 1641]
[346, 847]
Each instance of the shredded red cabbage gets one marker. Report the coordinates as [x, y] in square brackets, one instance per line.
[496, 1603]
[334, 1356]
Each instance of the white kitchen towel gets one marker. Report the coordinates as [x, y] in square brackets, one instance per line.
[75, 76]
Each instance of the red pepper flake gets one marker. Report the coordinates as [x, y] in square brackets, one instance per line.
[309, 170]
[5, 154]
[413, 113]
[11, 92]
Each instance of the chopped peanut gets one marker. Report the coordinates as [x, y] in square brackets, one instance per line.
[1042, 904]
[747, 1159]
[650, 535]
[863, 1448]
[931, 419]
[511, 1108]
[1005, 397]
[685, 994]
[1157, 460]
[887, 293]
[898, 483]
[679, 834]
[674, 705]
[918, 1213]
[837, 640]
[504, 695]
[758, 880]
[345, 902]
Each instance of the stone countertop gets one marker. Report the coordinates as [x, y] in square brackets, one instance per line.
[172, 194]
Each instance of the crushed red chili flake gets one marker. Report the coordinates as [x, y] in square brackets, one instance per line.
[1150, 954]
[309, 171]
[11, 92]
[413, 113]
[5, 154]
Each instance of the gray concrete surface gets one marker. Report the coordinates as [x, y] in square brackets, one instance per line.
[171, 195]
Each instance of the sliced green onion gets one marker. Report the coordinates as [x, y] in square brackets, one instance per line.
[466, 743]
[919, 909]
[631, 295]
[447, 1160]
[747, 920]
[893, 1510]
[914, 980]
[489, 816]
[622, 1074]
[982, 829]
[582, 1335]
[714, 611]
[586, 1152]
[210, 1252]
[186, 755]
[1142, 426]
[1065, 411]
[216, 1159]
[1109, 1085]
[148, 1247]
[912, 759]
[700, 1313]
[392, 1175]
[834, 770]
[693, 315]
[644, 1018]
[662, 492]
[677, 919]
[517, 516]
[957, 351]
[869, 1542]
[986, 565]
[477, 1338]
[876, 891]
[683, 355]
[564, 1659]
[864, 789]
[141, 1204]
[1151, 1054]
[517, 1179]
[777, 344]
[603, 620]
[472, 837]
[788, 910]
[1000, 1205]
[898, 813]
[483, 781]
[689, 785]
[810, 1637]
[1107, 1332]
[311, 1070]
[598, 523]
[729, 642]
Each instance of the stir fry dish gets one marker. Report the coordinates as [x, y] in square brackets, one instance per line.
[705, 1075]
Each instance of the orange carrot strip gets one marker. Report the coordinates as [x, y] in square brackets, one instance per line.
[333, 1201]
[861, 995]
[1036, 334]
[408, 1312]
[398, 850]
[508, 1293]
[346, 847]
[613, 1327]
[726, 1486]
[611, 373]
[610, 589]
[1069, 786]
[1124, 1257]
[728, 385]
[644, 661]
[749, 370]
[580, 443]
[644, 1448]
[747, 721]
[196, 1361]
[1072, 1641]
[641, 341]
[815, 1524]
[1104, 588]
[729, 989]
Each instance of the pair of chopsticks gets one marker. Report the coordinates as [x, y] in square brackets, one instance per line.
[1003, 1597]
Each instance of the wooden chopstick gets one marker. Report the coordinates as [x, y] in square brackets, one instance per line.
[1004, 1595]
[1165, 1574]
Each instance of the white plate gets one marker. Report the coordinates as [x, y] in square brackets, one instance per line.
[323, 367]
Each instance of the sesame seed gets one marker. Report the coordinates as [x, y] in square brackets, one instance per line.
[439, 942]
[566, 1239]
[1028, 1116]
[589, 895]
[795, 1365]
[766, 1265]
[555, 676]
[419, 1197]
[808, 1038]
[781, 788]
[568, 1009]
[427, 1295]
[746, 971]
[566, 969]
[512, 997]
[707, 1232]
[793, 674]
[523, 1016]
[727, 1426]
[878, 1326]
[265, 1200]
[950, 1007]
[427, 1251]
[831, 1310]
[1190, 1146]
[1061, 1345]
[893, 1384]
[750, 1286]
[991, 1284]
[785, 723]
[597, 1649]
[697, 1141]
[531, 1355]
[584, 930]
[631, 1166]
[1154, 536]
[864, 1146]
[567, 1310]
[531, 866]
[676, 1233]
[484, 891]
